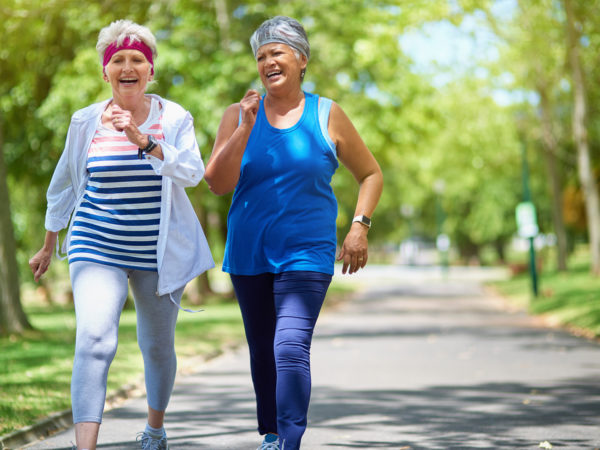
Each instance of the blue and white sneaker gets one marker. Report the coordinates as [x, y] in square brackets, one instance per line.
[148, 442]
[271, 442]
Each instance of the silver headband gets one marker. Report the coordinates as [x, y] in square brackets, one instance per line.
[279, 40]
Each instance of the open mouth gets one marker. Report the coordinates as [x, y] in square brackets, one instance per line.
[128, 81]
[273, 73]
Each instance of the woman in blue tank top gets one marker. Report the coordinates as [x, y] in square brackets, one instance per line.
[279, 153]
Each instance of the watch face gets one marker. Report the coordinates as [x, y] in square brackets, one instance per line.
[151, 143]
[363, 219]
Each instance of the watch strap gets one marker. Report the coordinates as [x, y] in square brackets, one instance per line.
[148, 148]
[366, 221]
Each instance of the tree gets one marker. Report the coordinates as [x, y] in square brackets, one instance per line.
[580, 135]
[12, 316]
[551, 149]
[532, 52]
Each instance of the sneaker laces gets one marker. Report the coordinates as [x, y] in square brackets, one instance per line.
[270, 445]
[150, 443]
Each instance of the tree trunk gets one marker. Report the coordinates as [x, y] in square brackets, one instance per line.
[222, 22]
[550, 151]
[584, 163]
[12, 316]
[201, 285]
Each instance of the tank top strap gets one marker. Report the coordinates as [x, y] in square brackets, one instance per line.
[323, 110]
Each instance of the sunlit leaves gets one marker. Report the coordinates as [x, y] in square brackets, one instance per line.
[422, 127]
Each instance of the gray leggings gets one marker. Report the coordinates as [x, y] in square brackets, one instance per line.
[99, 293]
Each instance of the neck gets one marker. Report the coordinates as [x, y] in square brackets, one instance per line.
[138, 106]
[284, 101]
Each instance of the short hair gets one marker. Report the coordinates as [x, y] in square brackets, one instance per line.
[120, 30]
[281, 29]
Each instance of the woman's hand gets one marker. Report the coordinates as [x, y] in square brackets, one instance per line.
[249, 106]
[40, 262]
[122, 120]
[223, 167]
[355, 249]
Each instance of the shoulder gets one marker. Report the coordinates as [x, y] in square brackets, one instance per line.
[170, 107]
[341, 129]
[232, 114]
[89, 112]
[336, 109]
[234, 108]
[338, 117]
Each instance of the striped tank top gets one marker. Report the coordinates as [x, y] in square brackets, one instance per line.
[117, 221]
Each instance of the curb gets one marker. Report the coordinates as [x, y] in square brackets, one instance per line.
[40, 430]
[62, 420]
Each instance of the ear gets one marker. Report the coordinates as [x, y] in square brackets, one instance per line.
[303, 61]
[104, 76]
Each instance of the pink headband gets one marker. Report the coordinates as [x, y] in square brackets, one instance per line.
[128, 45]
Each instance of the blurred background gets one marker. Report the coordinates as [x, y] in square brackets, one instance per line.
[483, 115]
[471, 107]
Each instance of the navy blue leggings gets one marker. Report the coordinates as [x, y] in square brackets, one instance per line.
[280, 312]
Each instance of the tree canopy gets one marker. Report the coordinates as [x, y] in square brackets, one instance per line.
[447, 134]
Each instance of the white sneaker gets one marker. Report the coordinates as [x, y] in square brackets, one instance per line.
[149, 443]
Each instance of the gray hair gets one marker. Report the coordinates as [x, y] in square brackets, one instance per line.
[120, 30]
[284, 30]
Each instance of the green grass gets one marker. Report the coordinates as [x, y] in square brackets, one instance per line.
[35, 369]
[571, 298]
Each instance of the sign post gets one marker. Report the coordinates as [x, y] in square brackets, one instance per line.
[527, 221]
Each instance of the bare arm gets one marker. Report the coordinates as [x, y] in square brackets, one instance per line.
[355, 155]
[40, 262]
[223, 167]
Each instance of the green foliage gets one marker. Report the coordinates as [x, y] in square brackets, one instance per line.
[479, 165]
[424, 133]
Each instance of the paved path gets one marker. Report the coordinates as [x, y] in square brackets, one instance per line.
[417, 361]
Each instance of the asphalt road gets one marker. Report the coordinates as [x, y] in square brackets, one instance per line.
[417, 360]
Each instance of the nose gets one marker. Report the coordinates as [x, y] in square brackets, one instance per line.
[269, 60]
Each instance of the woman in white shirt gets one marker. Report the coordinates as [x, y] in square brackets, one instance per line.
[121, 180]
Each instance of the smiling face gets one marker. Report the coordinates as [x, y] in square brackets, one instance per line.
[128, 73]
[279, 67]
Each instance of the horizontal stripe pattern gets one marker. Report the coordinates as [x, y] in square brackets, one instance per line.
[117, 221]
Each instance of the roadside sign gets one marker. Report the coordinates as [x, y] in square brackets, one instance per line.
[526, 220]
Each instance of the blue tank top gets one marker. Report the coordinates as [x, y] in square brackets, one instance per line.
[283, 211]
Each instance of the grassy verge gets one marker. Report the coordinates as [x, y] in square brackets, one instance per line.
[569, 298]
[35, 369]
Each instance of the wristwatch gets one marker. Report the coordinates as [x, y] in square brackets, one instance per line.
[366, 221]
[152, 143]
